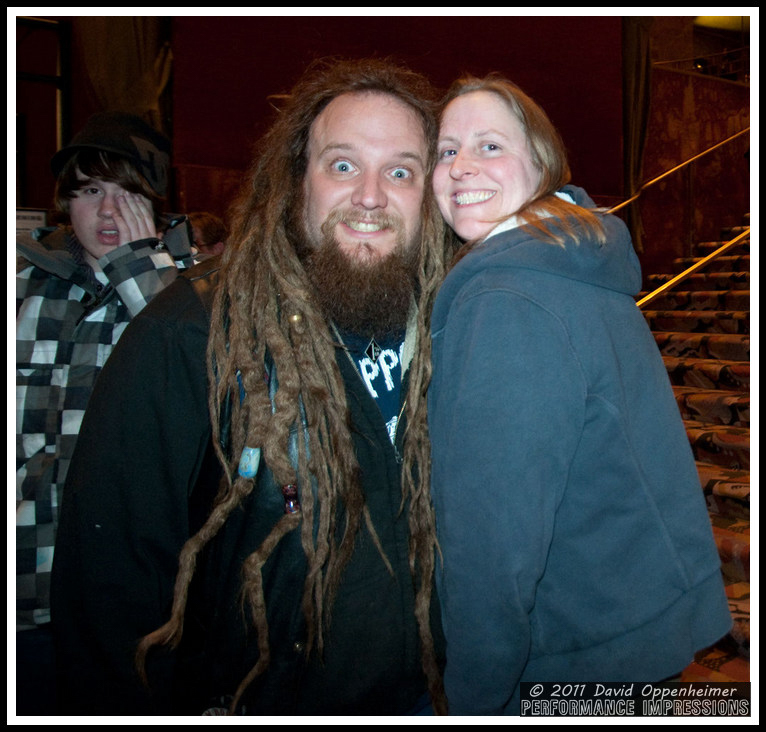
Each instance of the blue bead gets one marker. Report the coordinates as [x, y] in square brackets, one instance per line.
[249, 461]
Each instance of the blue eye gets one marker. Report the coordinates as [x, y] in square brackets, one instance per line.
[448, 153]
[490, 147]
[401, 173]
[342, 166]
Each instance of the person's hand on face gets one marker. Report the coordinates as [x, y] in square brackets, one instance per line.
[133, 218]
[104, 216]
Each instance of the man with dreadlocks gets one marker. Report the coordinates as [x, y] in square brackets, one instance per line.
[300, 361]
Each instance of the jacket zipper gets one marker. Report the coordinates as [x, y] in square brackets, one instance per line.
[397, 454]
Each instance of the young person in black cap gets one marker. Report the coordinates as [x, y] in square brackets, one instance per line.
[77, 287]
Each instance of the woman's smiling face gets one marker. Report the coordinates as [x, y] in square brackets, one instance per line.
[485, 170]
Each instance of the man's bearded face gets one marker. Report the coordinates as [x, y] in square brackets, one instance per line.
[362, 198]
[369, 296]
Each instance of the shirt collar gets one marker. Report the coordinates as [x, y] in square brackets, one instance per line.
[513, 222]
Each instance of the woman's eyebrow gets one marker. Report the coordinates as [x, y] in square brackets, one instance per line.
[478, 133]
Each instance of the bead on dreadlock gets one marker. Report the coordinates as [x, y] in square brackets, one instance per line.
[292, 504]
[249, 462]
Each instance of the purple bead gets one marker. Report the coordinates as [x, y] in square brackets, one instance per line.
[292, 504]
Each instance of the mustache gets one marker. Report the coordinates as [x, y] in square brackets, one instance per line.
[354, 215]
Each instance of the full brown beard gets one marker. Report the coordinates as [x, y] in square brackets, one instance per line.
[370, 296]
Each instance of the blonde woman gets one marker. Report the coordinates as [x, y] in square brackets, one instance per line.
[575, 542]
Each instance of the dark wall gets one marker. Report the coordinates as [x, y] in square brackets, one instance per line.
[226, 67]
[691, 113]
[39, 50]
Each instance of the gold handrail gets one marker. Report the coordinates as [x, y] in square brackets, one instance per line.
[706, 56]
[673, 170]
[691, 270]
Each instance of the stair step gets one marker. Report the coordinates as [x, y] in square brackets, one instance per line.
[700, 300]
[699, 321]
[708, 373]
[713, 406]
[703, 248]
[738, 594]
[723, 445]
[721, 662]
[701, 327]
[727, 660]
[726, 491]
[733, 263]
[724, 346]
[705, 281]
[729, 232]
[732, 538]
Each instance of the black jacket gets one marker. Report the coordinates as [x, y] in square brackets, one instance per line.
[140, 483]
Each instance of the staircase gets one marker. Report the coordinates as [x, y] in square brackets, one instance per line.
[703, 333]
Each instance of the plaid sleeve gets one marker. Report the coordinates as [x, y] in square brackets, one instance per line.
[53, 382]
[138, 272]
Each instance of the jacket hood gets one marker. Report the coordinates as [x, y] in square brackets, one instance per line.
[612, 265]
[48, 248]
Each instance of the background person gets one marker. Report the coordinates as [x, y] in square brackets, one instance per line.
[576, 545]
[301, 598]
[77, 287]
[208, 233]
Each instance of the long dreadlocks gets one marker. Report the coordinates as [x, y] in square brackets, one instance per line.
[265, 310]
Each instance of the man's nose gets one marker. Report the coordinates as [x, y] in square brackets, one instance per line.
[369, 192]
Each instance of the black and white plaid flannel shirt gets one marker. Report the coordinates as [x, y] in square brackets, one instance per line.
[68, 321]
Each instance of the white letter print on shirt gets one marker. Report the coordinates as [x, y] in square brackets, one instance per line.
[387, 361]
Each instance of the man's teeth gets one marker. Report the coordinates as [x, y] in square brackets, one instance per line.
[109, 232]
[463, 199]
[364, 227]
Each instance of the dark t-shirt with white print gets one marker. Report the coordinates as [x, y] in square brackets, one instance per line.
[382, 375]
